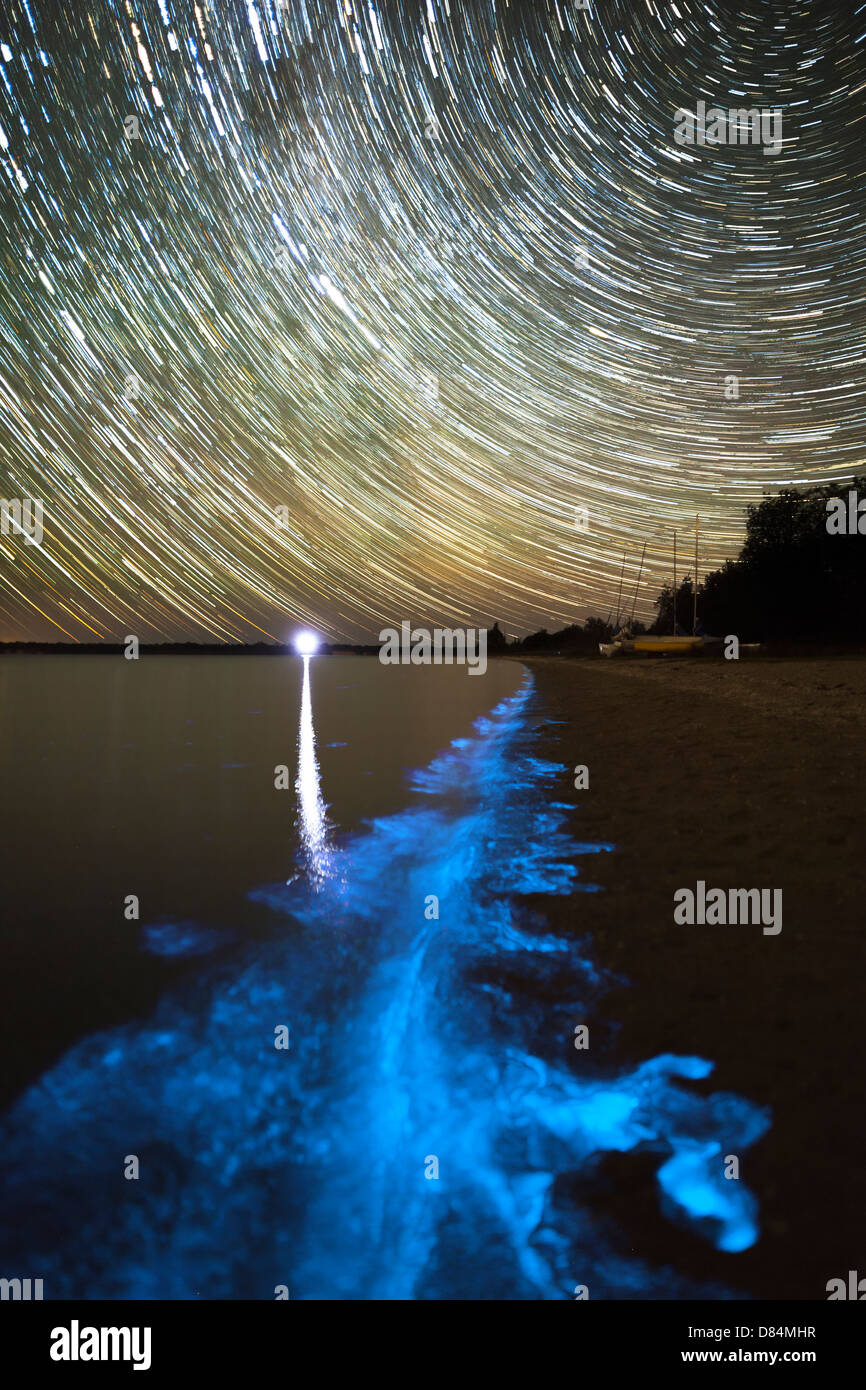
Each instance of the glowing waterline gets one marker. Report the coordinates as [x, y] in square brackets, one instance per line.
[417, 1038]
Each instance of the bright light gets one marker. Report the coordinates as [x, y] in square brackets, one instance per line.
[306, 643]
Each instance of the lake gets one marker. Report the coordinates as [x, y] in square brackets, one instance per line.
[156, 778]
[331, 1057]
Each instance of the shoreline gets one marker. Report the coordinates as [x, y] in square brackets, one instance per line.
[742, 775]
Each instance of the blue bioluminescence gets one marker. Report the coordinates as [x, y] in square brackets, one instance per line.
[428, 1134]
[181, 939]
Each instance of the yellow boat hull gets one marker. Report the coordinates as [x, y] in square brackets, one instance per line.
[667, 644]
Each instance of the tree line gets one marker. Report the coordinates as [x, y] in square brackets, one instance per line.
[800, 576]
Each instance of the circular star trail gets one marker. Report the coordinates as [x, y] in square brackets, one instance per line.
[343, 313]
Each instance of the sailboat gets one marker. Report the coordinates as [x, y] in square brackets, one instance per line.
[648, 643]
[674, 644]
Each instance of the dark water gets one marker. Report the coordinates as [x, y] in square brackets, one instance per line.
[430, 1132]
[156, 778]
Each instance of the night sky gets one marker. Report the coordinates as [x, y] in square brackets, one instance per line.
[385, 292]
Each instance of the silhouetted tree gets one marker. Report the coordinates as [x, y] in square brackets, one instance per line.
[793, 579]
[597, 630]
[664, 623]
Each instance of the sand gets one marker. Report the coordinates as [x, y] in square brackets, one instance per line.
[743, 774]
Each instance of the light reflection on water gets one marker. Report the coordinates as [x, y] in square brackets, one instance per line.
[312, 815]
[412, 1037]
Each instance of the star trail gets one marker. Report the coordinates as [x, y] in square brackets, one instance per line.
[336, 313]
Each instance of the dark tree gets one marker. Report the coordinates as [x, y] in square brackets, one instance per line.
[793, 578]
[597, 630]
[664, 623]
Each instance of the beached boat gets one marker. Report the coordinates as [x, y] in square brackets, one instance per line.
[660, 645]
[673, 644]
[667, 644]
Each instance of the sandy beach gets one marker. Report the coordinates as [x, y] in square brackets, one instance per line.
[744, 774]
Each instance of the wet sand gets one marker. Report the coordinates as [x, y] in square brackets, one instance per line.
[743, 774]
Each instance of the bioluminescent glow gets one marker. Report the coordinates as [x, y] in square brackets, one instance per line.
[306, 643]
[414, 1037]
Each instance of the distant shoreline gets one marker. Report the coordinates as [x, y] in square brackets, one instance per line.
[181, 649]
[802, 651]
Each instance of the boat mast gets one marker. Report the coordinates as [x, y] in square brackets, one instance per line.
[621, 573]
[675, 583]
[695, 588]
[637, 582]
